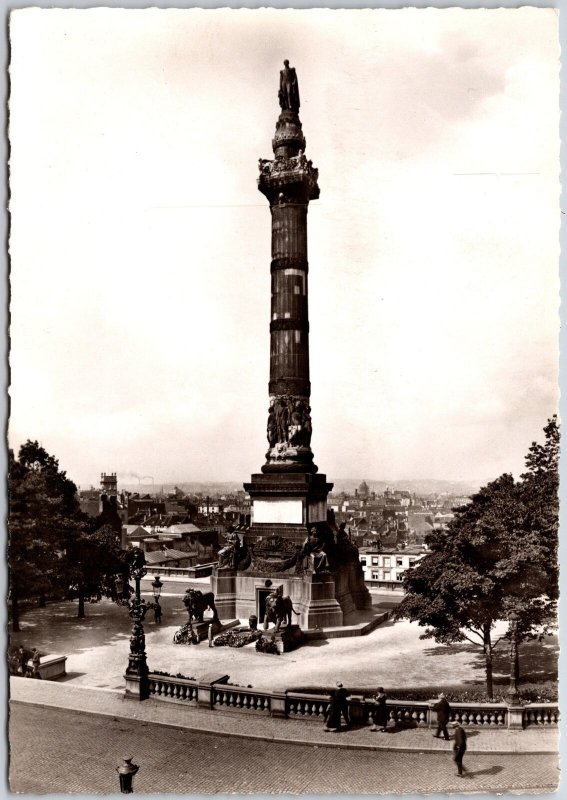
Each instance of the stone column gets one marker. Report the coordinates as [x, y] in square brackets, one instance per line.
[289, 182]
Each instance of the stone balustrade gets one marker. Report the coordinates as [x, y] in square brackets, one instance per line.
[181, 690]
[241, 699]
[197, 571]
[313, 707]
[540, 714]
[471, 715]
[307, 706]
[413, 714]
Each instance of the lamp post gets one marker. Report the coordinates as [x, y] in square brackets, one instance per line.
[137, 669]
[512, 694]
[157, 586]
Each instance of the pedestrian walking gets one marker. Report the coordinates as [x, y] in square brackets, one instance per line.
[380, 712]
[338, 708]
[443, 715]
[459, 747]
[36, 660]
[157, 611]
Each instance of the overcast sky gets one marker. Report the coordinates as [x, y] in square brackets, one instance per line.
[140, 245]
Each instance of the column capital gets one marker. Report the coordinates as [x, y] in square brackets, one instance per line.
[288, 179]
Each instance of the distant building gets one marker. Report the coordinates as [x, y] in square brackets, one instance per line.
[442, 520]
[384, 569]
[197, 546]
[104, 503]
[89, 501]
[210, 506]
[420, 526]
[139, 508]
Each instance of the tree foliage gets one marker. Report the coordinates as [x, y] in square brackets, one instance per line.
[498, 555]
[90, 562]
[53, 546]
[43, 509]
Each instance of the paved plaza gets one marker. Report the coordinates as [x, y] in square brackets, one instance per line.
[82, 758]
[392, 655]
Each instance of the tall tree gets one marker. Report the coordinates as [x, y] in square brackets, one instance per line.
[498, 555]
[43, 509]
[540, 495]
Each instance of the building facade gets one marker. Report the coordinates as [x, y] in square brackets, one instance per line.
[384, 569]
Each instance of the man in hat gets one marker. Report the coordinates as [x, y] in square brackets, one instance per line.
[443, 714]
[338, 707]
[459, 747]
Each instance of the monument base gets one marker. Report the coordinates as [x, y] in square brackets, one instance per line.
[241, 594]
[292, 547]
[285, 504]
[286, 639]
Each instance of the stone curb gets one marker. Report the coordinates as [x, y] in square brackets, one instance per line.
[277, 739]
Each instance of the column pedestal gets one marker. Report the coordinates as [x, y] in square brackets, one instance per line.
[285, 504]
[240, 594]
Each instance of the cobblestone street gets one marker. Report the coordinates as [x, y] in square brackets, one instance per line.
[86, 749]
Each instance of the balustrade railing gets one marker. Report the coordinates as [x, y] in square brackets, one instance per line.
[540, 714]
[305, 706]
[181, 689]
[225, 696]
[406, 713]
[196, 571]
[494, 715]
[173, 571]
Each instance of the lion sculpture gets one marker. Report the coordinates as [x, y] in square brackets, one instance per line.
[278, 610]
[197, 603]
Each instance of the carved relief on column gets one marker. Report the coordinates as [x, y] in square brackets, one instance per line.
[289, 428]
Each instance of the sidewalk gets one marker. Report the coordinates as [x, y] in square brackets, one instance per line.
[251, 726]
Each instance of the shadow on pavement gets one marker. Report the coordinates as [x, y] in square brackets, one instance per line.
[69, 676]
[488, 771]
[538, 660]
[395, 729]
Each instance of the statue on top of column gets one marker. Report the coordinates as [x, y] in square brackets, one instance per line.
[289, 89]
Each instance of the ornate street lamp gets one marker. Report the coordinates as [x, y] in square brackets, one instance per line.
[512, 694]
[137, 670]
[126, 774]
[157, 587]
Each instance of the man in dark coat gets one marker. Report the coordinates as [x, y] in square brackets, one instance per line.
[380, 715]
[459, 747]
[36, 661]
[443, 714]
[338, 707]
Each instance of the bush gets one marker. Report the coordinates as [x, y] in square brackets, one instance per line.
[462, 693]
[169, 675]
